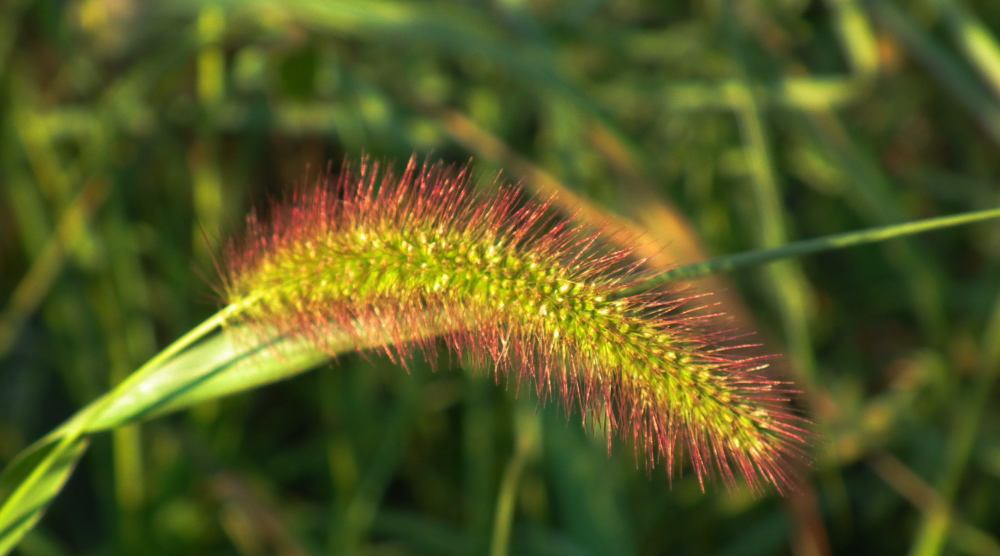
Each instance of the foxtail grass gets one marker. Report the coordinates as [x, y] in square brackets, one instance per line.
[532, 295]
[412, 262]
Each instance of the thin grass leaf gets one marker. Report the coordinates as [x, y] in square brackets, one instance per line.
[30, 508]
[209, 370]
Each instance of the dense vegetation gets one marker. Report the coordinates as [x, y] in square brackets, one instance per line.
[134, 137]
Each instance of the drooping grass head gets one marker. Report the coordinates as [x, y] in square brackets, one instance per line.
[421, 258]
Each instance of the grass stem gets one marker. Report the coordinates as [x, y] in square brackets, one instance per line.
[814, 245]
[9, 514]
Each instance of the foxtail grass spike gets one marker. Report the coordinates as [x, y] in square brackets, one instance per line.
[509, 283]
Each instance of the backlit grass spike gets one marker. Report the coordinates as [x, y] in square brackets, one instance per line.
[505, 280]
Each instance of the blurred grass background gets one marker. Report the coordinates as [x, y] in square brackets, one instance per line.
[133, 135]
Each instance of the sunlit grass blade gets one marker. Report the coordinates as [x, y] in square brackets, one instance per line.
[728, 263]
[211, 369]
[20, 519]
[219, 366]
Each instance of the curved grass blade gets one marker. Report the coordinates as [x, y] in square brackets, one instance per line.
[210, 369]
[219, 366]
[32, 506]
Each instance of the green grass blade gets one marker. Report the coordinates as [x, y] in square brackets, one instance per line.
[939, 62]
[184, 374]
[815, 245]
[212, 369]
[856, 36]
[32, 506]
[31, 494]
[977, 42]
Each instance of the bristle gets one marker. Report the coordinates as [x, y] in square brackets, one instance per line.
[509, 283]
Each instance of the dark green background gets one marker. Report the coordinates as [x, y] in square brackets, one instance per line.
[134, 135]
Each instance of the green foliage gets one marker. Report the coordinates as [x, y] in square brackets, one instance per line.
[132, 135]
